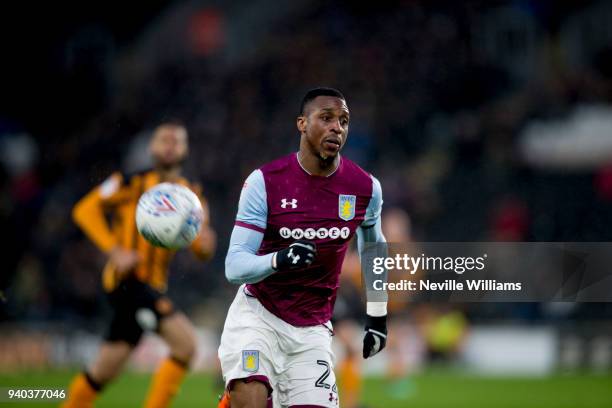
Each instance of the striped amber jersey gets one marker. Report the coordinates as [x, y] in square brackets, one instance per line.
[118, 197]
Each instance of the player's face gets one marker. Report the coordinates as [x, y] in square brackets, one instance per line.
[325, 125]
[169, 145]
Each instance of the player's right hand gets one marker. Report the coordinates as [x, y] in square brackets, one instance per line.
[375, 337]
[298, 255]
[125, 260]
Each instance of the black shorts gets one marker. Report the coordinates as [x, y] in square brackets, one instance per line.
[136, 307]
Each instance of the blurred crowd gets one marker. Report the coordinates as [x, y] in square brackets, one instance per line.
[477, 130]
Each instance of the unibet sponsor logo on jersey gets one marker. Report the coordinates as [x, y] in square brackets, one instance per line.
[311, 233]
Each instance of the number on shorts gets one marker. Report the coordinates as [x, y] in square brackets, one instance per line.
[321, 380]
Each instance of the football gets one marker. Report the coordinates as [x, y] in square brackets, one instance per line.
[169, 216]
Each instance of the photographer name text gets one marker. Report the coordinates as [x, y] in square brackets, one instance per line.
[447, 285]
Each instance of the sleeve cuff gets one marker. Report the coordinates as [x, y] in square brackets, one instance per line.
[376, 309]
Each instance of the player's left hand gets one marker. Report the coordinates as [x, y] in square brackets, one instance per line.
[375, 337]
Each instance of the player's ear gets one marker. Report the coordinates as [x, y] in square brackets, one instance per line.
[301, 123]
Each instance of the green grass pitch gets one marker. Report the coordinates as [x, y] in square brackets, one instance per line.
[429, 390]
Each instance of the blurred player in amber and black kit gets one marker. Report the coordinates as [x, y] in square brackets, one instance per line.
[135, 276]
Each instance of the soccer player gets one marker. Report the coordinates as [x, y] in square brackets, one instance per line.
[135, 275]
[295, 218]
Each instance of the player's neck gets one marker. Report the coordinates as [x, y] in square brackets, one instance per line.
[169, 173]
[317, 166]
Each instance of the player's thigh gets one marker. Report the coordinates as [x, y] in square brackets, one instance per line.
[249, 354]
[137, 307]
[179, 334]
[253, 394]
[124, 325]
[110, 360]
[249, 347]
[310, 379]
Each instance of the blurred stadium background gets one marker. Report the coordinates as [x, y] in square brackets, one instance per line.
[484, 120]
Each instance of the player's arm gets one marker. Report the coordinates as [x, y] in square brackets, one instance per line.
[205, 244]
[88, 214]
[242, 264]
[372, 242]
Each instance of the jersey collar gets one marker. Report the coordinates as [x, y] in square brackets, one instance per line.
[310, 174]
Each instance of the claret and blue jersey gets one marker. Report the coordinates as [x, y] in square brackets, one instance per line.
[280, 203]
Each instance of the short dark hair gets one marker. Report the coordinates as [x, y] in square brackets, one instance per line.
[320, 91]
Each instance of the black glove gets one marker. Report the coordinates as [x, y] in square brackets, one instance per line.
[299, 254]
[375, 337]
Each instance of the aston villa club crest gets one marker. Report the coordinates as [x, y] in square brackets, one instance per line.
[346, 206]
[250, 360]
